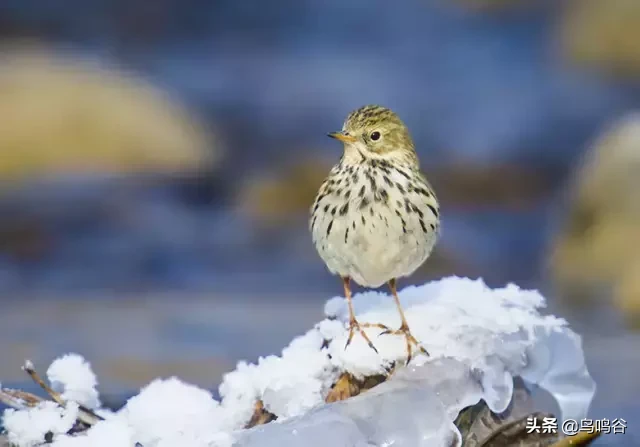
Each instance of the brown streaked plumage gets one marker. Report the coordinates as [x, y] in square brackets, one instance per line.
[376, 217]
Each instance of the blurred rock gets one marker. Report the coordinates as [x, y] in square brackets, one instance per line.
[59, 114]
[285, 194]
[627, 294]
[597, 244]
[497, 5]
[512, 187]
[603, 34]
[22, 239]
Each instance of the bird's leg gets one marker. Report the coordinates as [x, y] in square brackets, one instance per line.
[353, 323]
[404, 327]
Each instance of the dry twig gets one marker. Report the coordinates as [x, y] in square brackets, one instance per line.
[21, 399]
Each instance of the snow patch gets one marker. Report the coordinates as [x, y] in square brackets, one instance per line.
[478, 338]
[28, 428]
[71, 375]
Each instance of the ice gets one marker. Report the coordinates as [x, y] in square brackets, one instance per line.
[557, 364]
[479, 340]
[71, 375]
[497, 331]
[414, 408]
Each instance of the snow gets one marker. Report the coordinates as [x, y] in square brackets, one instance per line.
[28, 428]
[71, 376]
[288, 385]
[182, 415]
[478, 338]
[111, 433]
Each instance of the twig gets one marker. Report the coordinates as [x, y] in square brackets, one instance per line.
[260, 416]
[579, 439]
[514, 432]
[30, 369]
[85, 415]
[19, 400]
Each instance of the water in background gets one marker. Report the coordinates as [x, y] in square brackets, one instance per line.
[186, 275]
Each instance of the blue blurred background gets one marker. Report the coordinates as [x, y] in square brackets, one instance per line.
[159, 158]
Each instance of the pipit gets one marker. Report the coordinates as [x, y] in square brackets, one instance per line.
[376, 217]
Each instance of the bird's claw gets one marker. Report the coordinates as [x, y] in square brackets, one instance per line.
[353, 325]
[385, 329]
[410, 339]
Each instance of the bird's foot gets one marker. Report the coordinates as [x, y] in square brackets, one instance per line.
[376, 325]
[411, 340]
[353, 326]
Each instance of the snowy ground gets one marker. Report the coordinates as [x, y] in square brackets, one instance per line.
[479, 339]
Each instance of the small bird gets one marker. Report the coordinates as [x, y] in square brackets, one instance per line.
[375, 218]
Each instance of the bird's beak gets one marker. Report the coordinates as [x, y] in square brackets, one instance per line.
[342, 137]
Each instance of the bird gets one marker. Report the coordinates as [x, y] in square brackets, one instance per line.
[375, 217]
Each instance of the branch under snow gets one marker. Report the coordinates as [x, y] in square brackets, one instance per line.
[480, 340]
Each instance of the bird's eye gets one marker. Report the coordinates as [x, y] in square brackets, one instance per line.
[375, 135]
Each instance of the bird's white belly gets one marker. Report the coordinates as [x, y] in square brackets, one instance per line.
[373, 245]
[374, 255]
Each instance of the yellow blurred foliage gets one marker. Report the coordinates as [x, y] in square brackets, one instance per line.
[603, 34]
[598, 243]
[61, 115]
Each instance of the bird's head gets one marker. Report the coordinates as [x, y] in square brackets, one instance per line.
[375, 132]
